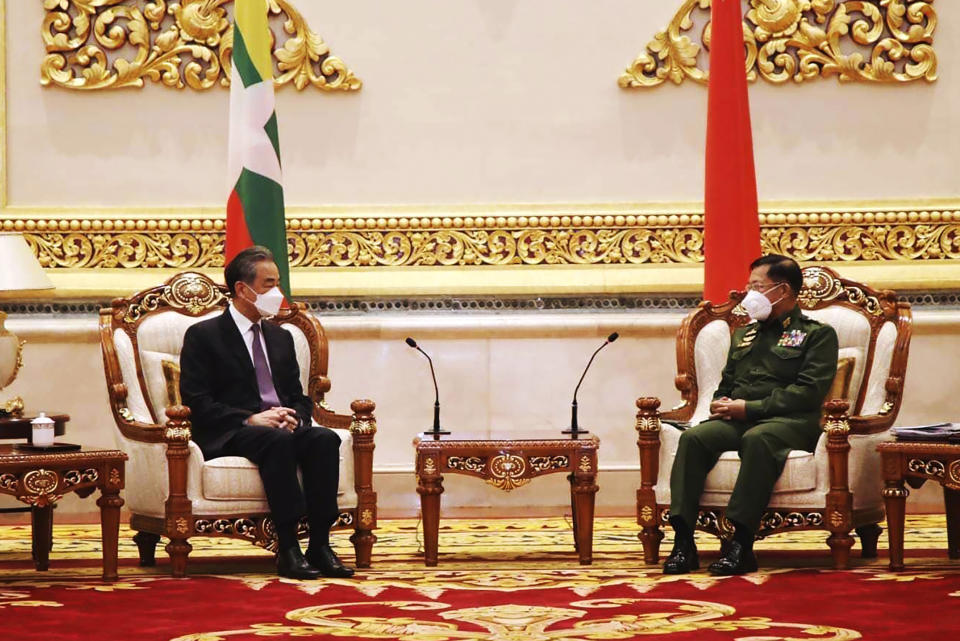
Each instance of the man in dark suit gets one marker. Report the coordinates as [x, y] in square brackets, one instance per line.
[241, 381]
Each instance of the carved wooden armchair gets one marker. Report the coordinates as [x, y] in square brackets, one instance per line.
[838, 486]
[171, 490]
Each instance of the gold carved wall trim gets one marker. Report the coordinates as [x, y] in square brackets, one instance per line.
[113, 44]
[496, 236]
[876, 41]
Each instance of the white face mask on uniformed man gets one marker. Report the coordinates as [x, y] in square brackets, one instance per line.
[269, 302]
[757, 305]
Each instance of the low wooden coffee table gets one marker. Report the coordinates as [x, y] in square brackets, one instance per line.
[916, 463]
[508, 461]
[40, 479]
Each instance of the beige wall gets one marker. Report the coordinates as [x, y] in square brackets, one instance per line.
[496, 372]
[480, 101]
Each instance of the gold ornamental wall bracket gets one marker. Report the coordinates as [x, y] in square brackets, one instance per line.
[868, 41]
[115, 44]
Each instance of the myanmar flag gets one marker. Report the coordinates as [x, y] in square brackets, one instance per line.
[255, 212]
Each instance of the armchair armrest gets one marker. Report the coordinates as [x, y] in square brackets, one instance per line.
[178, 509]
[839, 498]
[648, 442]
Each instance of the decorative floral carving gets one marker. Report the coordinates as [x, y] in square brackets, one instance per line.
[648, 424]
[9, 482]
[801, 40]
[187, 43]
[932, 468]
[837, 427]
[411, 241]
[77, 477]
[366, 517]
[545, 463]
[177, 434]
[40, 481]
[363, 427]
[466, 464]
[506, 472]
[585, 464]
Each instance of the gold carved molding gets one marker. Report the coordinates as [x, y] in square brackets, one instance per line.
[801, 40]
[608, 236]
[113, 44]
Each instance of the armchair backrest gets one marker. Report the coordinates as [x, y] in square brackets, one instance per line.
[140, 333]
[873, 328]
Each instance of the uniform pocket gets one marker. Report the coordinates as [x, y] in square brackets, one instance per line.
[787, 353]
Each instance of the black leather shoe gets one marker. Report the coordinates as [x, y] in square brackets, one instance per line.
[329, 564]
[737, 560]
[682, 559]
[291, 564]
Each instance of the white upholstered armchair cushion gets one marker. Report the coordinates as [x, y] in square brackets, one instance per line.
[226, 485]
[805, 480]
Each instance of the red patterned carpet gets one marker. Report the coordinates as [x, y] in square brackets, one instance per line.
[498, 580]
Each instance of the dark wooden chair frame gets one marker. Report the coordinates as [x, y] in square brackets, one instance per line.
[194, 294]
[822, 288]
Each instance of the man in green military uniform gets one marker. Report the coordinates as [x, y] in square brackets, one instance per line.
[778, 372]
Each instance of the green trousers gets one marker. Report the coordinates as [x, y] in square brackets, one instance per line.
[763, 449]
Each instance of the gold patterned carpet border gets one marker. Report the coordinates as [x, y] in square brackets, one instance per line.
[467, 543]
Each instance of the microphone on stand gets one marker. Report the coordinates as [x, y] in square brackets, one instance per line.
[575, 430]
[437, 432]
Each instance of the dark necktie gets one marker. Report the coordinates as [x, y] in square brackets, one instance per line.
[268, 393]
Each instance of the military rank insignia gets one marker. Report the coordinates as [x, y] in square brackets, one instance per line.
[748, 337]
[792, 338]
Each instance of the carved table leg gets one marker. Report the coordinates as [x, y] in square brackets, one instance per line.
[895, 499]
[110, 503]
[584, 492]
[363, 541]
[41, 519]
[951, 502]
[573, 514]
[430, 487]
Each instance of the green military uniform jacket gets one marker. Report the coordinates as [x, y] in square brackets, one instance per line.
[783, 368]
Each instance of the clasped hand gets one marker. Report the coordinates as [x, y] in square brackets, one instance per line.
[279, 417]
[728, 409]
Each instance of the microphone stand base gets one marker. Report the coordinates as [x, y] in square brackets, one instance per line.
[574, 433]
[436, 434]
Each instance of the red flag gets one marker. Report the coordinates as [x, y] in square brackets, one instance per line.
[731, 221]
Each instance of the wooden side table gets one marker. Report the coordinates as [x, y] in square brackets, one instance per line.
[42, 479]
[508, 461]
[916, 463]
[20, 427]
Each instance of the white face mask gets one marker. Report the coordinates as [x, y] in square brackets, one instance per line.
[757, 305]
[269, 302]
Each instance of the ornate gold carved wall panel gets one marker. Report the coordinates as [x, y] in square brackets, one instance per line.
[602, 238]
[887, 41]
[112, 44]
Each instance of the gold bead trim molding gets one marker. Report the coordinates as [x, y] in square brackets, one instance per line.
[801, 40]
[509, 238]
[178, 44]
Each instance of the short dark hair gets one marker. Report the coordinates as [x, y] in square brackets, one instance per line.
[243, 266]
[782, 269]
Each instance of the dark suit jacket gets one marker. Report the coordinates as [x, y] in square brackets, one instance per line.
[219, 385]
